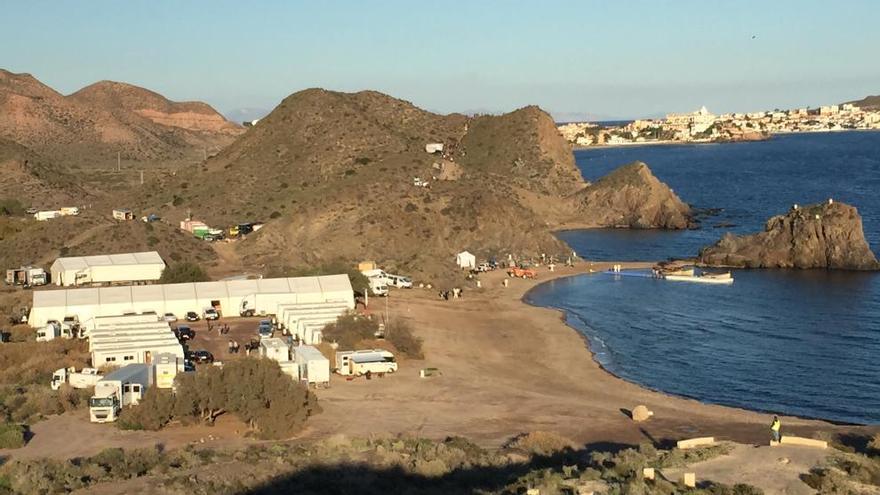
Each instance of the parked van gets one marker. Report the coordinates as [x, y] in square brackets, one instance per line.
[378, 286]
[400, 281]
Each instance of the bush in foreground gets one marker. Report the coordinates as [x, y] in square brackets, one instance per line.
[273, 405]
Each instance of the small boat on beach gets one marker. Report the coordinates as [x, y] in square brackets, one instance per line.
[703, 278]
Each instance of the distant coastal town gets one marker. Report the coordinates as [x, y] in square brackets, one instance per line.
[702, 126]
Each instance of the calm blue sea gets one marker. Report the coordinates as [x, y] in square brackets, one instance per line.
[797, 342]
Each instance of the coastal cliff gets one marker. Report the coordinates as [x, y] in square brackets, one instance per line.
[631, 196]
[827, 235]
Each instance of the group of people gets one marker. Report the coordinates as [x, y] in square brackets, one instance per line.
[456, 293]
[233, 346]
[222, 328]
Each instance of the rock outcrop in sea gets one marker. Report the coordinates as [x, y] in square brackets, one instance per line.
[632, 197]
[827, 235]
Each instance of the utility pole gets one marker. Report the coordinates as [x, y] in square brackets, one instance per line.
[118, 161]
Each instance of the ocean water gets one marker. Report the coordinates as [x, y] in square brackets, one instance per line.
[805, 343]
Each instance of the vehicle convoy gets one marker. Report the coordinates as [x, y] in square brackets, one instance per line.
[359, 363]
[85, 378]
[123, 387]
[27, 276]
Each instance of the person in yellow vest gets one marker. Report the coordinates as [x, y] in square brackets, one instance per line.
[775, 427]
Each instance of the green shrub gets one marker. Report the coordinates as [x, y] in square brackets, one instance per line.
[399, 333]
[183, 271]
[349, 330]
[10, 207]
[11, 436]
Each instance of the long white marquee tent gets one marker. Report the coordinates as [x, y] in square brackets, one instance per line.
[125, 267]
[227, 295]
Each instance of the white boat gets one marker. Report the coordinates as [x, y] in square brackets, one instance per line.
[703, 278]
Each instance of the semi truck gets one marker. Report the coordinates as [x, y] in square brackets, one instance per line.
[85, 378]
[123, 387]
[27, 276]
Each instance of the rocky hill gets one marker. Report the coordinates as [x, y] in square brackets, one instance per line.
[631, 196]
[89, 127]
[333, 175]
[868, 103]
[827, 235]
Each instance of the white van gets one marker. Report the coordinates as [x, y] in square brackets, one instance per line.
[399, 281]
[378, 286]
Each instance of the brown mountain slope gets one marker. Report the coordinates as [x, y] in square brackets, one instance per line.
[868, 103]
[91, 126]
[333, 174]
[34, 181]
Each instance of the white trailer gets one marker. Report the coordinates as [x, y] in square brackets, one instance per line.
[134, 352]
[85, 378]
[27, 275]
[47, 215]
[360, 362]
[123, 387]
[314, 368]
[106, 321]
[167, 367]
[275, 348]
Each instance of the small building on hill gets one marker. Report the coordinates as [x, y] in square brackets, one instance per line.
[123, 214]
[466, 260]
[126, 267]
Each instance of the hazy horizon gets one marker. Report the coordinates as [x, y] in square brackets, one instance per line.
[577, 60]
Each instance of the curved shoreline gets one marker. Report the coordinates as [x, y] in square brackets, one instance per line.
[566, 314]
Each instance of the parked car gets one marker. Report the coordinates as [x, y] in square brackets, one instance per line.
[265, 328]
[400, 281]
[192, 316]
[212, 314]
[200, 357]
[169, 317]
[188, 366]
[184, 332]
[484, 267]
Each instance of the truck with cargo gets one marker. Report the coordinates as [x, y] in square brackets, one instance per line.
[85, 378]
[358, 363]
[27, 276]
[123, 387]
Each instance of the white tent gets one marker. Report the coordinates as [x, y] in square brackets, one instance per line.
[126, 267]
[465, 259]
[88, 303]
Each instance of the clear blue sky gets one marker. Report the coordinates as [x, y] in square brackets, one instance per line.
[603, 58]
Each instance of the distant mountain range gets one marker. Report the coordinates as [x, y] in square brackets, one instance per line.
[105, 118]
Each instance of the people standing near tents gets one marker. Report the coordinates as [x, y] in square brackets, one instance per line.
[775, 429]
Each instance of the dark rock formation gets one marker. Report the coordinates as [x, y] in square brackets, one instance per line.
[631, 196]
[819, 236]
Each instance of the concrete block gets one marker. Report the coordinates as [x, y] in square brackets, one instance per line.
[689, 480]
[695, 442]
[805, 442]
[648, 473]
[641, 413]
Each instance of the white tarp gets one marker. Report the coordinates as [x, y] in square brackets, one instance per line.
[465, 259]
[87, 303]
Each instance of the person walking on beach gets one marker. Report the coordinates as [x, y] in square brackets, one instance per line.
[775, 428]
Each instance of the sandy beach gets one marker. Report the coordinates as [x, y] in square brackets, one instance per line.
[508, 367]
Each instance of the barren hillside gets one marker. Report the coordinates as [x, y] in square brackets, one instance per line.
[91, 126]
[334, 174]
